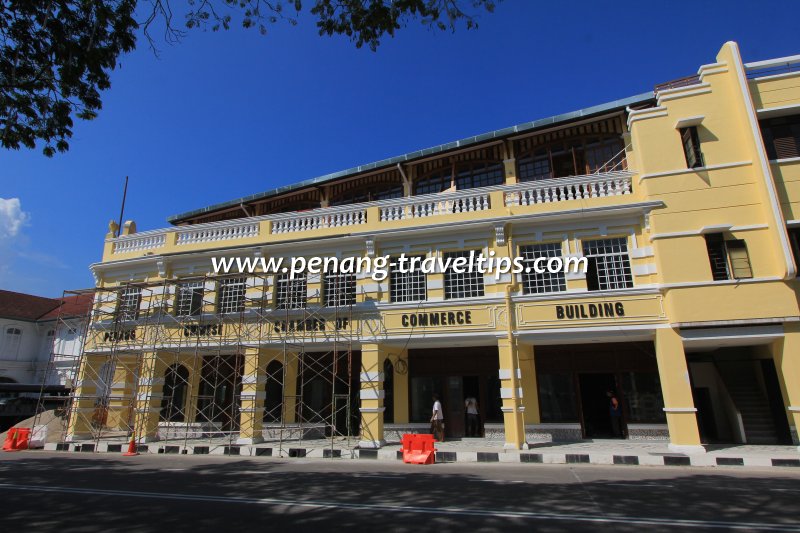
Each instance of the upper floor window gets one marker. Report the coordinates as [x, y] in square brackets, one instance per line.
[369, 194]
[534, 166]
[781, 136]
[534, 282]
[571, 157]
[728, 258]
[608, 264]
[12, 342]
[409, 285]
[231, 293]
[291, 293]
[433, 183]
[691, 147]
[462, 279]
[340, 289]
[189, 299]
[481, 174]
[130, 300]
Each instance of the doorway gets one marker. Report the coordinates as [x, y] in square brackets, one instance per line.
[220, 387]
[595, 405]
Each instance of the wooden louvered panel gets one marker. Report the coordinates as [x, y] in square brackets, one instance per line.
[786, 147]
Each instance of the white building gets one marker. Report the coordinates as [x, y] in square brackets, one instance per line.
[32, 328]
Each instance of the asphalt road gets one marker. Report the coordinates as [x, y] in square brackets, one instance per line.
[42, 491]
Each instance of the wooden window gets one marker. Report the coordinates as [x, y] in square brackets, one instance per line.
[691, 147]
[130, 300]
[408, 285]
[189, 299]
[481, 174]
[230, 297]
[609, 265]
[781, 136]
[465, 284]
[728, 258]
[434, 183]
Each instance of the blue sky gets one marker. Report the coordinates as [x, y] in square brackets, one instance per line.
[227, 114]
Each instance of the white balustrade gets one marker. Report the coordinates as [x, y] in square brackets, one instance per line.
[434, 205]
[124, 245]
[319, 219]
[579, 188]
[224, 232]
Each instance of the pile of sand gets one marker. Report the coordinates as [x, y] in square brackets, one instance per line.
[54, 423]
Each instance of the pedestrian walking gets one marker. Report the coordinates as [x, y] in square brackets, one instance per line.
[437, 419]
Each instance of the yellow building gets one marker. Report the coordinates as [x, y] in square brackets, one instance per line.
[684, 203]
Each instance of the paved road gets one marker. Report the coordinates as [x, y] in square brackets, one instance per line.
[42, 491]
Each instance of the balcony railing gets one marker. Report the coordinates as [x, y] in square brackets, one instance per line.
[430, 205]
[694, 79]
[601, 185]
[333, 217]
[219, 233]
[137, 243]
[577, 188]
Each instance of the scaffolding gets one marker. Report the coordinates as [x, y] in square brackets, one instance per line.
[210, 361]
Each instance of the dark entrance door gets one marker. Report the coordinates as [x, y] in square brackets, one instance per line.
[454, 407]
[473, 389]
[220, 388]
[595, 413]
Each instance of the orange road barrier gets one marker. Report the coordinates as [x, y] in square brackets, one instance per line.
[10, 444]
[131, 448]
[418, 449]
[17, 439]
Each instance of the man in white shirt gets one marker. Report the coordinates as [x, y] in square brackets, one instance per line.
[437, 419]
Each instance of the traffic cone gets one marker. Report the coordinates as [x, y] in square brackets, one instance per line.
[131, 448]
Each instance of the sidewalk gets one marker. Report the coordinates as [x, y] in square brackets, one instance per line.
[598, 452]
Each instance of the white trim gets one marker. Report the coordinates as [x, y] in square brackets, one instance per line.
[689, 121]
[372, 394]
[794, 409]
[680, 409]
[644, 270]
[779, 111]
[708, 229]
[710, 66]
[507, 393]
[784, 160]
[693, 170]
[791, 270]
[632, 119]
[371, 377]
[703, 88]
[688, 284]
[749, 227]
[775, 62]
[718, 70]
[505, 373]
[793, 222]
[372, 409]
[677, 90]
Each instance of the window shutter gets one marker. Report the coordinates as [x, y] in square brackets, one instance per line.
[739, 260]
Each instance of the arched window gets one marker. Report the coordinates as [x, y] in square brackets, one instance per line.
[173, 403]
[12, 343]
[388, 391]
[273, 400]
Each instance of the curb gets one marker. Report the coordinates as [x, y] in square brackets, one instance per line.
[441, 457]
